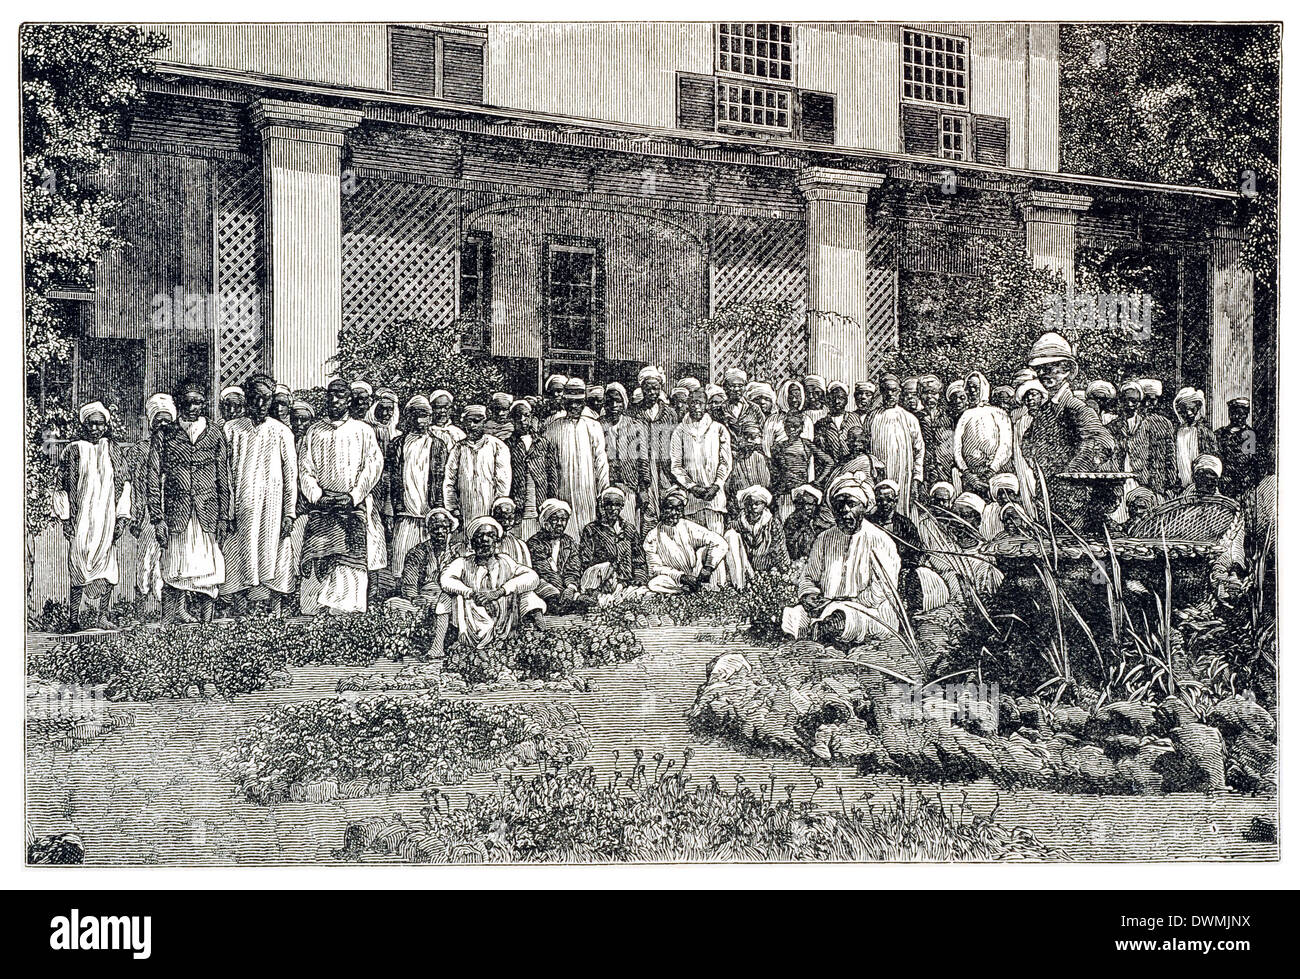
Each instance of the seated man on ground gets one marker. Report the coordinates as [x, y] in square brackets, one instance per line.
[757, 541]
[610, 559]
[685, 556]
[555, 559]
[493, 594]
[506, 512]
[807, 521]
[844, 594]
[920, 587]
[421, 584]
[1005, 488]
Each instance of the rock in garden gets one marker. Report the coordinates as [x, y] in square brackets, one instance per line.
[725, 667]
[1173, 712]
[1200, 756]
[1072, 719]
[1125, 717]
[61, 848]
[1235, 714]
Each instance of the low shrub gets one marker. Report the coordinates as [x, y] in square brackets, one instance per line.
[530, 654]
[326, 749]
[570, 815]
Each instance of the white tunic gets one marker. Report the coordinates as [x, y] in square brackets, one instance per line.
[264, 466]
[983, 437]
[701, 456]
[91, 554]
[584, 466]
[858, 574]
[476, 477]
[897, 441]
[344, 457]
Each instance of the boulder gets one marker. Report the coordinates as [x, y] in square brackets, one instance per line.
[1125, 717]
[1072, 719]
[1033, 713]
[1236, 714]
[725, 667]
[1251, 762]
[1200, 759]
[1173, 713]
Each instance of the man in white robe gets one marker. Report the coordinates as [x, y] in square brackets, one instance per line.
[701, 460]
[441, 425]
[982, 441]
[93, 499]
[264, 465]
[849, 589]
[493, 594]
[338, 467]
[684, 556]
[584, 465]
[897, 441]
[478, 469]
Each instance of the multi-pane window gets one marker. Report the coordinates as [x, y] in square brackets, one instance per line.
[757, 50]
[476, 290]
[954, 136]
[753, 106]
[571, 297]
[935, 68]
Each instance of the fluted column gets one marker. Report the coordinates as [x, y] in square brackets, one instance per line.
[1232, 322]
[1051, 221]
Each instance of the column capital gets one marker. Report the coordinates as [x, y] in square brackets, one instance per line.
[298, 120]
[830, 184]
[1229, 232]
[1043, 205]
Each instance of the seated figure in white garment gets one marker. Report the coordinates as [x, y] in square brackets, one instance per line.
[849, 589]
[685, 556]
[493, 593]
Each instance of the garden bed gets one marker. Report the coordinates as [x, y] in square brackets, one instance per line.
[326, 749]
[570, 815]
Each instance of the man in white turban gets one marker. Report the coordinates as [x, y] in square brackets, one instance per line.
[897, 441]
[231, 404]
[93, 499]
[555, 557]
[660, 419]
[849, 588]
[1194, 436]
[441, 426]
[701, 462]
[478, 469]
[982, 440]
[684, 556]
[493, 593]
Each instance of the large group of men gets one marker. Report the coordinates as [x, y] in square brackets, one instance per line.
[495, 514]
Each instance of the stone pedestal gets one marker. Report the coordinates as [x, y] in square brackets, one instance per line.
[302, 307]
[852, 322]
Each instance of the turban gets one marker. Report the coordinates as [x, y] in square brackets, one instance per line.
[887, 484]
[954, 388]
[521, 403]
[1004, 481]
[650, 370]
[282, 389]
[1028, 386]
[970, 500]
[677, 494]
[502, 400]
[419, 402]
[482, 523]
[1025, 374]
[1012, 508]
[551, 508]
[756, 492]
[93, 408]
[556, 382]
[690, 383]
[850, 485]
[613, 387]
[1005, 389]
[157, 404]
[575, 387]
[441, 395]
[911, 383]
[837, 385]
[335, 380]
[943, 488]
[815, 381]
[735, 374]
[1140, 493]
[1151, 387]
[474, 411]
[502, 500]
[685, 393]
[362, 386]
[1239, 402]
[613, 493]
[372, 416]
[596, 390]
[1208, 463]
[713, 391]
[1188, 396]
[443, 512]
[232, 392]
[783, 398]
[1132, 384]
[807, 489]
[1100, 389]
[927, 380]
[386, 394]
[761, 389]
[303, 406]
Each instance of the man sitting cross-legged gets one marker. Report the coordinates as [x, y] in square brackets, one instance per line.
[852, 570]
[555, 559]
[610, 557]
[421, 584]
[685, 556]
[493, 593]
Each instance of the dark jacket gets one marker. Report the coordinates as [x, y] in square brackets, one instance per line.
[1150, 451]
[395, 462]
[621, 548]
[831, 443]
[790, 465]
[190, 478]
[538, 464]
[565, 570]
[1239, 455]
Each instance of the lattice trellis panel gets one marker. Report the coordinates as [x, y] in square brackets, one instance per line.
[239, 276]
[880, 329]
[399, 253]
[755, 260]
